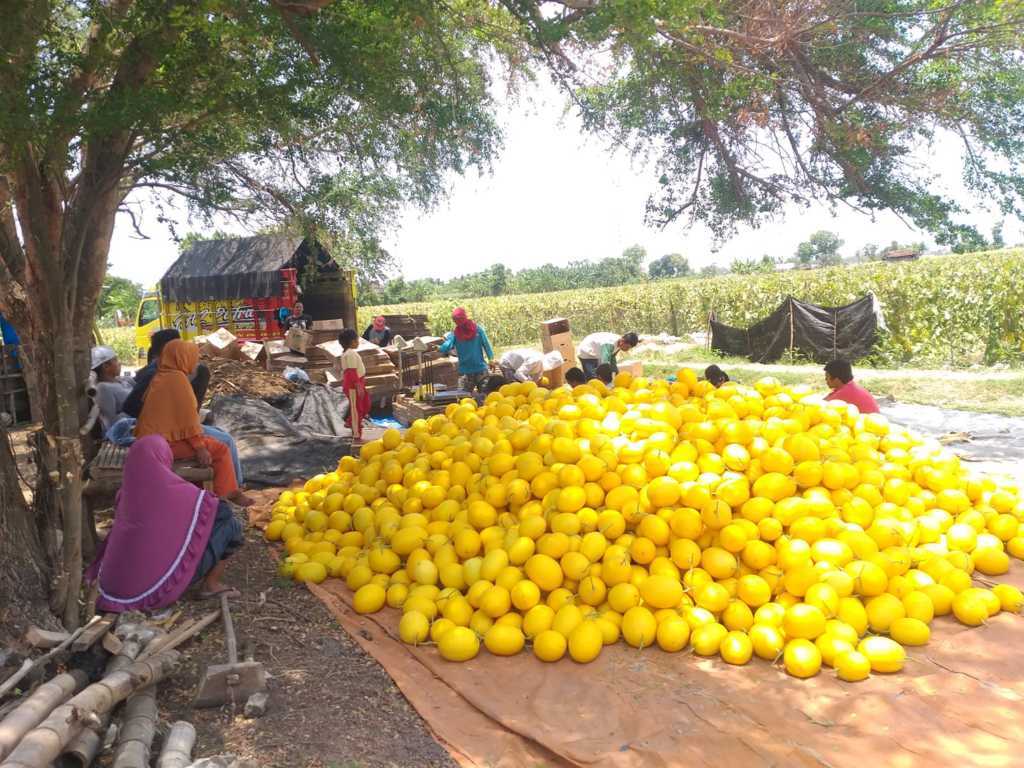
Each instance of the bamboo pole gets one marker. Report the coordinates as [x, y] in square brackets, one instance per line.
[180, 635]
[177, 751]
[40, 747]
[36, 707]
[135, 736]
[28, 666]
[84, 748]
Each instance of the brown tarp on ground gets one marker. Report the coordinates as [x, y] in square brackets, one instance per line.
[959, 701]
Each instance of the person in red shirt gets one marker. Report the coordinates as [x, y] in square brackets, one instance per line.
[839, 378]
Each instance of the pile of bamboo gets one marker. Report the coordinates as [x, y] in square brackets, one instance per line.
[66, 721]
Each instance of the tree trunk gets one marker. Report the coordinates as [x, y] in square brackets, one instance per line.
[59, 368]
[24, 577]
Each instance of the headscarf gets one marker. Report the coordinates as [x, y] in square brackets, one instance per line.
[161, 528]
[170, 408]
[465, 329]
[379, 324]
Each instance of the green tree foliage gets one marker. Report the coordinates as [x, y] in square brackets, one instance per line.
[118, 293]
[898, 246]
[753, 266]
[669, 265]
[747, 107]
[997, 236]
[821, 249]
[332, 115]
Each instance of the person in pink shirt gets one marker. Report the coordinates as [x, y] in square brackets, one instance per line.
[839, 378]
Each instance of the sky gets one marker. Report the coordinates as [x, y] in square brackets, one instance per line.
[558, 195]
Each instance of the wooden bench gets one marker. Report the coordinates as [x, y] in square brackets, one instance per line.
[106, 470]
[105, 475]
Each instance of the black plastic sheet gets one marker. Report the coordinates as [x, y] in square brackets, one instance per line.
[297, 437]
[817, 333]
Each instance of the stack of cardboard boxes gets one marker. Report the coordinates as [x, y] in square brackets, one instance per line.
[555, 335]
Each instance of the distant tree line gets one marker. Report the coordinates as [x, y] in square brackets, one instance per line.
[499, 280]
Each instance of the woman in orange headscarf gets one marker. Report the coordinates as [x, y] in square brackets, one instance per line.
[170, 409]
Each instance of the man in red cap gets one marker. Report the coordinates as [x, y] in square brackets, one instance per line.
[471, 344]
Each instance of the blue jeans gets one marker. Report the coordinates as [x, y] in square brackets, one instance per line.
[120, 434]
[225, 539]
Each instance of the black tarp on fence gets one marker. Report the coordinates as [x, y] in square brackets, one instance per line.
[818, 333]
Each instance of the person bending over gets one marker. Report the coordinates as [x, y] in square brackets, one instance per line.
[598, 348]
[171, 410]
[575, 377]
[839, 378]
[604, 373]
[528, 364]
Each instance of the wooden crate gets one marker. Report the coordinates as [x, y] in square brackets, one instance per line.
[407, 410]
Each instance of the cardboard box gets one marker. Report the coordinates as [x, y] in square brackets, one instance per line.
[250, 350]
[298, 340]
[221, 343]
[329, 325]
[556, 336]
[632, 367]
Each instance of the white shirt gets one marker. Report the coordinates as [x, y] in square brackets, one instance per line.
[590, 347]
[351, 358]
[110, 397]
[525, 364]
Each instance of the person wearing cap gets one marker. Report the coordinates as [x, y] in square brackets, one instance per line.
[378, 332]
[603, 348]
[112, 389]
[469, 339]
[528, 364]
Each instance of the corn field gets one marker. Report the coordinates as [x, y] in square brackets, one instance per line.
[952, 310]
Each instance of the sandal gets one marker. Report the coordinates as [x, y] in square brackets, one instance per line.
[229, 592]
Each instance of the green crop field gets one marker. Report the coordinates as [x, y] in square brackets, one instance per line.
[943, 311]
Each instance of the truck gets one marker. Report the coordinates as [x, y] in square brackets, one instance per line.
[243, 284]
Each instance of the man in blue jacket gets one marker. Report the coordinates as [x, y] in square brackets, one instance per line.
[471, 345]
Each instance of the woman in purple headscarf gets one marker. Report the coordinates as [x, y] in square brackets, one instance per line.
[167, 535]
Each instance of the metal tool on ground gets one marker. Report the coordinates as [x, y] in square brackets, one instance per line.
[235, 681]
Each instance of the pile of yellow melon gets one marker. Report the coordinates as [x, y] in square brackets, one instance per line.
[740, 521]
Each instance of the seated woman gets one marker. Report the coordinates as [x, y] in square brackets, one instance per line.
[112, 389]
[122, 432]
[171, 410]
[167, 536]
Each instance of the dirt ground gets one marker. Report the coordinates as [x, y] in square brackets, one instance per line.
[331, 705]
